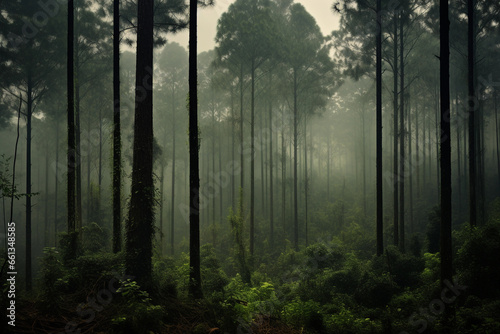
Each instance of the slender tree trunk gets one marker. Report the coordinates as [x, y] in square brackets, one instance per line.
[252, 163]
[472, 111]
[364, 161]
[46, 215]
[417, 150]
[233, 171]
[497, 140]
[162, 186]
[214, 237]
[306, 179]
[78, 195]
[459, 158]
[117, 185]
[283, 173]
[396, 135]
[56, 185]
[71, 153]
[328, 159]
[140, 228]
[242, 160]
[410, 167]
[29, 111]
[194, 178]
[271, 181]
[172, 195]
[295, 163]
[445, 161]
[402, 134]
[380, 222]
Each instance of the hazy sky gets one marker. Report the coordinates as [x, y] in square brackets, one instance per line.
[207, 21]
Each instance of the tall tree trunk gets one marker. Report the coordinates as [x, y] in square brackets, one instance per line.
[380, 222]
[396, 135]
[472, 111]
[56, 185]
[252, 162]
[172, 199]
[459, 158]
[46, 215]
[271, 181]
[295, 163]
[194, 178]
[233, 171]
[497, 140]
[140, 227]
[364, 160]
[161, 203]
[445, 160]
[306, 179]
[402, 134]
[71, 153]
[117, 185]
[242, 160]
[78, 194]
[29, 99]
[283, 173]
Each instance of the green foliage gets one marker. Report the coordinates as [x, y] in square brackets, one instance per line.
[213, 278]
[136, 313]
[165, 277]
[303, 313]
[236, 222]
[403, 267]
[346, 322]
[95, 238]
[478, 259]
[52, 280]
[376, 290]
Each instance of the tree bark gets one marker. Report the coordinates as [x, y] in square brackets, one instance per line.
[402, 134]
[194, 175]
[117, 185]
[472, 111]
[380, 222]
[396, 135]
[141, 213]
[295, 163]
[445, 160]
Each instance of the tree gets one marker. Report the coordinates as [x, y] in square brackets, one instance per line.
[194, 147]
[380, 217]
[445, 158]
[249, 42]
[139, 231]
[310, 71]
[117, 168]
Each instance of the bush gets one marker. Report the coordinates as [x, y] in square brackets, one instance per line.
[136, 314]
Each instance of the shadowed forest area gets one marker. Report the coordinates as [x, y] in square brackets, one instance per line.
[287, 180]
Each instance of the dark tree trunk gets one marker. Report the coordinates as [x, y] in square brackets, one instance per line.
[46, 214]
[396, 135]
[242, 160]
[140, 227]
[306, 180]
[252, 162]
[295, 163]
[402, 134]
[78, 194]
[497, 141]
[29, 99]
[117, 185]
[380, 222]
[71, 153]
[445, 159]
[172, 204]
[194, 174]
[271, 184]
[56, 185]
[472, 111]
